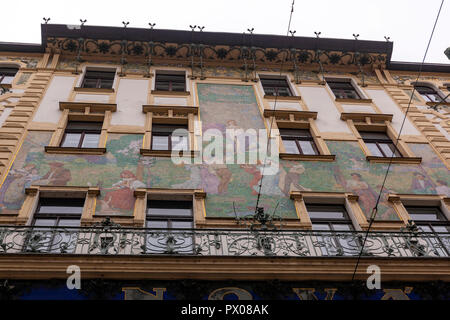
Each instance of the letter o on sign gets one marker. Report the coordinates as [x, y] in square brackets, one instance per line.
[241, 294]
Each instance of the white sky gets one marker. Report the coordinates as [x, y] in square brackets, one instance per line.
[407, 22]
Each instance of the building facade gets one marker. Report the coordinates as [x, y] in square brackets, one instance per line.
[93, 121]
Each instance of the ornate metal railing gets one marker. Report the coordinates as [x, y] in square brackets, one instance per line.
[115, 240]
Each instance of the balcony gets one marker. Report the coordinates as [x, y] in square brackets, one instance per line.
[115, 240]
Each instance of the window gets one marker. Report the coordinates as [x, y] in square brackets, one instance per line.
[275, 87]
[51, 213]
[432, 220]
[164, 137]
[98, 79]
[429, 219]
[7, 75]
[170, 82]
[172, 217]
[428, 94]
[335, 219]
[343, 89]
[82, 134]
[298, 141]
[379, 144]
[329, 217]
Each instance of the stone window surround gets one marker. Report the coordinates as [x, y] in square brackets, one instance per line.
[81, 111]
[291, 119]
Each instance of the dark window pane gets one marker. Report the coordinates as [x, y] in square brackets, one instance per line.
[90, 140]
[307, 147]
[98, 79]
[290, 146]
[84, 126]
[320, 227]
[44, 222]
[182, 225]
[179, 143]
[374, 135]
[160, 142]
[71, 140]
[170, 82]
[276, 87]
[322, 214]
[295, 132]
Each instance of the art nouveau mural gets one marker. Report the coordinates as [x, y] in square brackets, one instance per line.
[122, 169]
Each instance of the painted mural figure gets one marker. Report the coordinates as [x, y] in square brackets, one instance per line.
[367, 197]
[122, 197]
[17, 181]
[290, 179]
[224, 175]
[420, 184]
[57, 175]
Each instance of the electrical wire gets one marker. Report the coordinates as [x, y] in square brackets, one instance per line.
[375, 208]
[273, 113]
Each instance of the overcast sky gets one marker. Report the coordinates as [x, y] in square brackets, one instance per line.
[407, 22]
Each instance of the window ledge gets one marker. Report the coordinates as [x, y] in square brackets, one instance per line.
[298, 115]
[307, 157]
[278, 98]
[94, 90]
[166, 153]
[70, 150]
[81, 106]
[444, 103]
[165, 109]
[361, 116]
[406, 160]
[171, 93]
[353, 100]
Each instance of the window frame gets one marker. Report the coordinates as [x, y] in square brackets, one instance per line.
[330, 221]
[169, 218]
[169, 135]
[426, 95]
[98, 84]
[347, 82]
[377, 141]
[83, 133]
[5, 74]
[275, 87]
[168, 73]
[298, 138]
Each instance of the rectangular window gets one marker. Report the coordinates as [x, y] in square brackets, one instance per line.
[172, 217]
[329, 220]
[7, 75]
[82, 134]
[298, 141]
[379, 144]
[432, 220]
[276, 87]
[170, 82]
[428, 94]
[51, 216]
[98, 79]
[343, 89]
[164, 137]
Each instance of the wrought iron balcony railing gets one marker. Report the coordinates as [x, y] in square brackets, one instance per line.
[115, 240]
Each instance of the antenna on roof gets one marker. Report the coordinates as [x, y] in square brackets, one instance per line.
[292, 33]
[46, 20]
[125, 24]
[151, 25]
[83, 21]
[192, 27]
[387, 38]
[201, 28]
